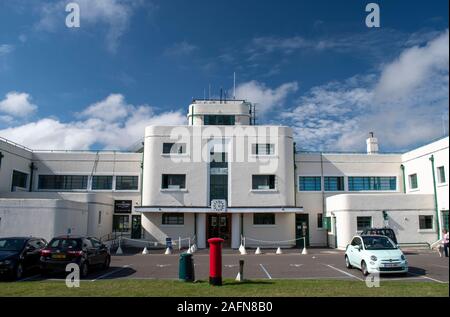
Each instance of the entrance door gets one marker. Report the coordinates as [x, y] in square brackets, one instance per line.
[302, 230]
[219, 226]
[136, 227]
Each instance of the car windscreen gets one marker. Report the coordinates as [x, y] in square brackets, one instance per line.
[12, 244]
[63, 244]
[378, 243]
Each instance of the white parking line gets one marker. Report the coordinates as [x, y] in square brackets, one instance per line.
[29, 278]
[296, 265]
[111, 273]
[429, 278]
[265, 271]
[346, 273]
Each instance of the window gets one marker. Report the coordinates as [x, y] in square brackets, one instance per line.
[425, 222]
[173, 219]
[102, 182]
[121, 223]
[309, 183]
[263, 149]
[263, 219]
[19, 179]
[441, 174]
[320, 221]
[372, 183]
[263, 182]
[173, 181]
[413, 181]
[174, 148]
[444, 218]
[218, 120]
[363, 223]
[99, 217]
[356, 242]
[62, 182]
[127, 182]
[334, 183]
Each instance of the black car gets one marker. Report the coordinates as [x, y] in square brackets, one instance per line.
[87, 252]
[388, 232]
[19, 255]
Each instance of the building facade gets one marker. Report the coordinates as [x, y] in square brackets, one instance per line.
[223, 175]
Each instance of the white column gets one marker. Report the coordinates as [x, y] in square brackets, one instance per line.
[235, 230]
[201, 231]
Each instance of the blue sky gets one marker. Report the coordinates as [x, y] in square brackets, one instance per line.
[312, 65]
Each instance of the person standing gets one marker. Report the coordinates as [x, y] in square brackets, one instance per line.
[445, 242]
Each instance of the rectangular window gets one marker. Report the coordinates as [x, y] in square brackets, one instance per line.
[363, 223]
[127, 182]
[334, 183]
[102, 182]
[99, 217]
[263, 149]
[174, 148]
[320, 221]
[121, 223]
[19, 179]
[218, 120]
[310, 183]
[264, 219]
[62, 182]
[173, 181]
[425, 222]
[173, 219]
[413, 181]
[369, 183]
[263, 182]
[441, 174]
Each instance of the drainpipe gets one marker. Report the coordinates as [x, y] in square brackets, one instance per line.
[142, 173]
[435, 197]
[295, 178]
[403, 177]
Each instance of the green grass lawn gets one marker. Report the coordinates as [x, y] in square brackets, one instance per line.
[257, 288]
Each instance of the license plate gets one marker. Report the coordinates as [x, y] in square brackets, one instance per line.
[58, 256]
[390, 265]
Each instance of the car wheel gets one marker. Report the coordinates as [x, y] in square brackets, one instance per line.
[347, 263]
[364, 270]
[107, 263]
[84, 269]
[18, 273]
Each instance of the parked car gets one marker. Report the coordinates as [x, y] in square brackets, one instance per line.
[375, 254]
[87, 252]
[19, 255]
[388, 232]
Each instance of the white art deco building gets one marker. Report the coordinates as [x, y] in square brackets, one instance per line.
[223, 175]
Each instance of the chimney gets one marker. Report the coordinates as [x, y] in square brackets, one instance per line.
[372, 144]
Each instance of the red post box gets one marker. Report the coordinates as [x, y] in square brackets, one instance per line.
[215, 261]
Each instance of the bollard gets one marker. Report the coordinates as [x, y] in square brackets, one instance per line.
[186, 270]
[215, 261]
[240, 276]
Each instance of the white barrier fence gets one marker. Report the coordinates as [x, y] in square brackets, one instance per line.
[180, 243]
[269, 244]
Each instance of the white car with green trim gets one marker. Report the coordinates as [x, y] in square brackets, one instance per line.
[375, 254]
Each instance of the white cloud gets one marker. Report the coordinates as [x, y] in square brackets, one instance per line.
[121, 128]
[17, 104]
[266, 98]
[404, 105]
[114, 14]
[6, 49]
[180, 49]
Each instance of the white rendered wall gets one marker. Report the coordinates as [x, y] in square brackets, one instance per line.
[284, 229]
[156, 231]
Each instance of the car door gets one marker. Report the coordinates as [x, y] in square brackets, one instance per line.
[101, 251]
[356, 252]
[91, 252]
[31, 254]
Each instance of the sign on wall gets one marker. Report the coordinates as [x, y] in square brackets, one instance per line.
[123, 206]
[219, 205]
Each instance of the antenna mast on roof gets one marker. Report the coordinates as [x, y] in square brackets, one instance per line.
[234, 85]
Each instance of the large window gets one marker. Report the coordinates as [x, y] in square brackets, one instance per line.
[218, 120]
[174, 148]
[320, 221]
[309, 183]
[263, 182]
[441, 174]
[19, 179]
[173, 181]
[173, 219]
[363, 223]
[127, 182]
[121, 223]
[413, 181]
[263, 149]
[334, 183]
[102, 182]
[425, 222]
[372, 183]
[264, 219]
[62, 182]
